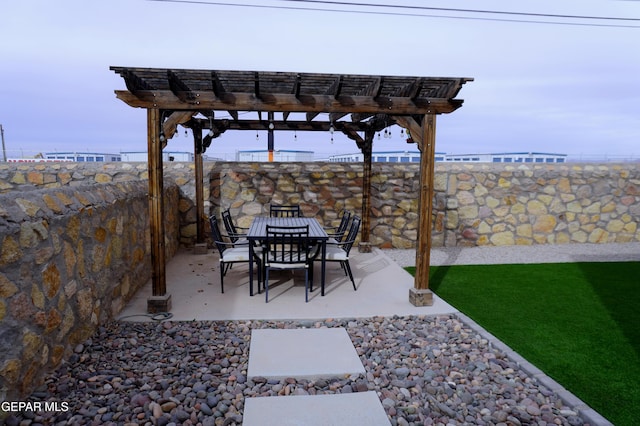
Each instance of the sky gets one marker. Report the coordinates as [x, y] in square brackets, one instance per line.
[558, 85]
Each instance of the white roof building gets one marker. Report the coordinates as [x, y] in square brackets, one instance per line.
[90, 157]
[278, 155]
[414, 157]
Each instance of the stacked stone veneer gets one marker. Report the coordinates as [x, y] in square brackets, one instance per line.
[487, 204]
[474, 204]
[48, 175]
[71, 256]
[74, 237]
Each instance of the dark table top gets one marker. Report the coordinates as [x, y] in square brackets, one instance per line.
[258, 228]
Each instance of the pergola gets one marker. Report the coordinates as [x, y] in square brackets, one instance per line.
[357, 105]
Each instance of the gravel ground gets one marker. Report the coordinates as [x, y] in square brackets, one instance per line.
[427, 370]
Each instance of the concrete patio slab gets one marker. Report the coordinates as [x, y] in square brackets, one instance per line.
[348, 409]
[194, 284]
[307, 353]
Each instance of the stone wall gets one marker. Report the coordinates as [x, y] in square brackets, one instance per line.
[70, 259]
[487, 204]
[46, 175]
[474, 204]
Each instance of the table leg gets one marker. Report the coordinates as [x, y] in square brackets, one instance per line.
[251, 268]
[324, 257]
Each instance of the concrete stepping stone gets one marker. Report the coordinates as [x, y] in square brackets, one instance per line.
[348, 409]
[305, 353]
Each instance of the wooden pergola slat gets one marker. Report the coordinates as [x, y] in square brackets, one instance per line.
[357, 105]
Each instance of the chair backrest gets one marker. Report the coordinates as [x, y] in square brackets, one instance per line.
[287, 244]
[353, 233]
[216, 234]
[230, 226]
[284, 211]
[342, 228]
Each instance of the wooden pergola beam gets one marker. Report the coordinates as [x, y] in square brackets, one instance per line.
[311, 126]
[287, 102]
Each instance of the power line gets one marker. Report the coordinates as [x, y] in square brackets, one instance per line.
[423, 15]
[445, 9]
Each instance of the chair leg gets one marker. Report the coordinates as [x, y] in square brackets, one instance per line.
[348, 268]
[222, 277]
[259, 267]
[306, 285]
[343, 268]
[266, 285]
[311, 276]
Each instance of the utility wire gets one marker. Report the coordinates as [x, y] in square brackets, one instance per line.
[423, 15]
[445, 9]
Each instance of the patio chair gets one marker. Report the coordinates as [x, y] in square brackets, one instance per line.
[336, 233]
[237, 234]
[231, 253]
[285, 211]
[287, 248]
[340, 252]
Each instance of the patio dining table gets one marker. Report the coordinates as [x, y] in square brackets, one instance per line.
[258, 232]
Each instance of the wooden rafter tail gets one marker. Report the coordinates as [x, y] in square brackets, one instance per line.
[336, 87]
[180, 89]
[134, 83]
[374, 88]
[312, 115]
[219, 91]
[256, 84]
[335, 116]
[296, 86]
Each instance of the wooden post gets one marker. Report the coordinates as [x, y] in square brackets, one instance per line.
[365, 244]
[200, 247]
[159, 301]
[420, 295]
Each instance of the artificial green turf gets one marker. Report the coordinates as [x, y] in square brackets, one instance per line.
[578, 322]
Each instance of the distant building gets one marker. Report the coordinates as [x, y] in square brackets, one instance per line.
[91, 157]
[508, 157]
[383, 157]
[414, 157]
[278, 155]
[33, 160]
[132, 156]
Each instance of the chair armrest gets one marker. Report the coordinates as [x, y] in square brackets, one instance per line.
[224, 243]
[335, 235]
[237, 234]
[342, 243]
